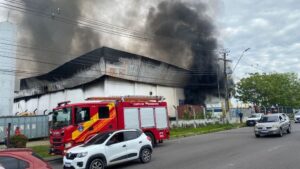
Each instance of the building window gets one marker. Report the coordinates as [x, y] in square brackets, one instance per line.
[82, 114]
[103, 112]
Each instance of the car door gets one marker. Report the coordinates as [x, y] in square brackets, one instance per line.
[286, 121]
[283, 122]
[116, 149]
[133, 142]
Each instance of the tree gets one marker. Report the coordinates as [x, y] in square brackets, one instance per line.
[270, 89]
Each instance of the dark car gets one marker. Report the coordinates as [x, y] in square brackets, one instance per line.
[21, 158]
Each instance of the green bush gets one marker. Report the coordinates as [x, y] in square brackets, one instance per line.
[209, 115]
[186, 115]
[18, 141]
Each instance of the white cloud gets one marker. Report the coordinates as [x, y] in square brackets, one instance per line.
[259, 23]
[270, 28]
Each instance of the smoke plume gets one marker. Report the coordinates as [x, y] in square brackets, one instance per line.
[53, 26]
[182, 30]
[184, 35]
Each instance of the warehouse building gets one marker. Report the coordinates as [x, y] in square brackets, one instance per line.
[102, 72]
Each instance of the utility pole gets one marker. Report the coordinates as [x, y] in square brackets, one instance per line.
[224, 59]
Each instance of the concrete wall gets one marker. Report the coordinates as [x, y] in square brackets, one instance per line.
[108, 87]
[118, 87]
[94, 90]
[8, 66]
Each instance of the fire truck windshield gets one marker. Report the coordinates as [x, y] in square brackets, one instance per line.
[61, 118]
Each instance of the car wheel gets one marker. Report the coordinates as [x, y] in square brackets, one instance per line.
[153, 141]
[96, 163]
[145, 155]
[280, 133]
[289, 130]
[257, 135]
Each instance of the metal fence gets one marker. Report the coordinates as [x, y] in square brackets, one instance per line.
[30, 126]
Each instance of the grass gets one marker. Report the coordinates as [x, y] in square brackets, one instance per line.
[184, 132]
[42, 150]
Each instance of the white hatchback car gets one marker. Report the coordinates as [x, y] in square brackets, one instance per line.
[109, 148]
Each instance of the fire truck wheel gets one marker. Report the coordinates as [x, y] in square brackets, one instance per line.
[161, 141]
[96, 163]
[145, 155]
[149, 134]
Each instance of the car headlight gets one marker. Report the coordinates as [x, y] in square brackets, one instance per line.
[68, 145]
[80, 155]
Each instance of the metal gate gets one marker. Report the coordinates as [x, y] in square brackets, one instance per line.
[30, 126]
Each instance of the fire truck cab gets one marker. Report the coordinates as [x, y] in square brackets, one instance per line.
[74, 123]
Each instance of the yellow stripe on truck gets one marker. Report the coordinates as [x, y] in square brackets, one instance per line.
[106, 121]
[86, 125]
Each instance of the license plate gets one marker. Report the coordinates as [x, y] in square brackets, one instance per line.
[67, 164]
[264, 131]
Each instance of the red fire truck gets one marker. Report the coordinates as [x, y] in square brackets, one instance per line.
[74, 123]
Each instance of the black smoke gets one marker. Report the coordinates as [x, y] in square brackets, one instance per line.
[179, 27]
[53, 28]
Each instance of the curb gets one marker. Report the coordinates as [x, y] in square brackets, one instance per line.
[50, 159]
[203, 133]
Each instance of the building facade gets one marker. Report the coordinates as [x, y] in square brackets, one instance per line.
[7, 67]
[103, 72]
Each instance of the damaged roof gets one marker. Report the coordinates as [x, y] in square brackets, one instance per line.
[104, 62]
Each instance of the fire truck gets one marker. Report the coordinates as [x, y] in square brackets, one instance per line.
[74, 123]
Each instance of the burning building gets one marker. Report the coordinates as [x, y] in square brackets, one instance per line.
[102, 72]
[171, 49]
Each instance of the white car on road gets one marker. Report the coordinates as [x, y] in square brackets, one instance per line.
[273, 124]
[253, 118]
[109, 148]
[297, 117]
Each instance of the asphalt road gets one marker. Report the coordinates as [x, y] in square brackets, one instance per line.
[234, 149]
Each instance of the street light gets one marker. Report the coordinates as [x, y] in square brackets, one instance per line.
[240, 59]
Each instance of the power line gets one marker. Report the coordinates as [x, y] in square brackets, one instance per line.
[194, 71]
[102, 23]
[111, 73]
[84, 23]
[81, 24]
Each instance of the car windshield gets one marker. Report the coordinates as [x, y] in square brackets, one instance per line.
[61, 118]
[98, 139]
[298, 114]
[268, 119]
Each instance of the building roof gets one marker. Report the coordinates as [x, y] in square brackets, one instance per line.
[104, 62]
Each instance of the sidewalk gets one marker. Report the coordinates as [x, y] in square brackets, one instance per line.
[32, 143]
